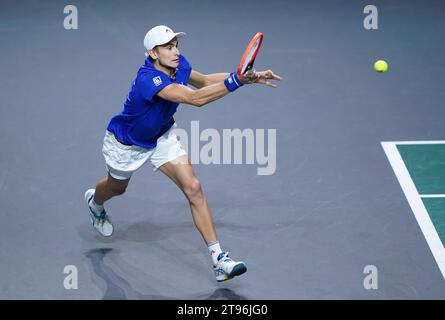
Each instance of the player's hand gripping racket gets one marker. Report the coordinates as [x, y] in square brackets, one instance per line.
[248, 58]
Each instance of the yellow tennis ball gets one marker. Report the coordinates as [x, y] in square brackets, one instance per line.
[381, 66]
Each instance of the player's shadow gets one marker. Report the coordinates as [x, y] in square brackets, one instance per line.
[224, 294]
[116, 287]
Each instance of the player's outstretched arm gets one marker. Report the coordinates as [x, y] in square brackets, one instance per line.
[200, 80]
[181, 94]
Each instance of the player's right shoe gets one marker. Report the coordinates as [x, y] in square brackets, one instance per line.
[226, 268]
[101, 222]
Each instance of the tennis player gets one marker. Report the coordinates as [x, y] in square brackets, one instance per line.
[143, 132]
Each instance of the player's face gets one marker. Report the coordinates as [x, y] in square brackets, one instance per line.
[168, 54]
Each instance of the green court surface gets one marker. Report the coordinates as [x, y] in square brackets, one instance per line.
[436, 210]
[426, 166]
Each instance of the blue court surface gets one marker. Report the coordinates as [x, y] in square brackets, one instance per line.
[336, 189]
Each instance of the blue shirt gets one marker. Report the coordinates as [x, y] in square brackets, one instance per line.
[146, 116]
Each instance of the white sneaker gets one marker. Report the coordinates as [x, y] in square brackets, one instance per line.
[101, 222]
[226, 268]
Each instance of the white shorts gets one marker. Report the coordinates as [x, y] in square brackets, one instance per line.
[122, 160]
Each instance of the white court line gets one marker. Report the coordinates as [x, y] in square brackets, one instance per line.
[432, 195]
[417, 142]
[414, 200]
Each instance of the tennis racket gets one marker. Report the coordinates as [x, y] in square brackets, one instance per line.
[248, 58]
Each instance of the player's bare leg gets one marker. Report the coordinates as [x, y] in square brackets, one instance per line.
[95, 198]
[181, 172]
[109, 187]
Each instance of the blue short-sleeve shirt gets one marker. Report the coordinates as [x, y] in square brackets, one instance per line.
[146, 116]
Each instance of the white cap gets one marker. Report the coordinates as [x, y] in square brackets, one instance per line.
[160, 35]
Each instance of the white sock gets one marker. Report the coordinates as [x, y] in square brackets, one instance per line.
[215, 250]
[97, 208]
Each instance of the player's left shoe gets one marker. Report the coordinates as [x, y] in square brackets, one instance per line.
[226, 268]
[101, 222]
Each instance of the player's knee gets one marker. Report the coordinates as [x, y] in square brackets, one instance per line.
[193, 189]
